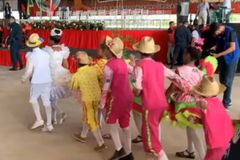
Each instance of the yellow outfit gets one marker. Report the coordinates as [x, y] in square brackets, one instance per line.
[86, 81]
[100, 64]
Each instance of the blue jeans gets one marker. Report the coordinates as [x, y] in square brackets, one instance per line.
[226, 76]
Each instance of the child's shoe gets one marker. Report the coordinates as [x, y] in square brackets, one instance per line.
[37, 124]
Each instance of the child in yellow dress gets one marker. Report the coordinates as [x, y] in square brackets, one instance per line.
[86, 82]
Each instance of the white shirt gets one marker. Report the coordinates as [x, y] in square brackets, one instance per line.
[227, 3]
[195, 34]
[38, 66]
[203, 7]
[184, 9]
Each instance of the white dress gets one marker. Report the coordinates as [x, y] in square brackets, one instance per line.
[60, 75]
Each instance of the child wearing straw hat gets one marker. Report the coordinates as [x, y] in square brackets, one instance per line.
[216, 122]
[118, 112]
[38, 69]
[86, 81]
[149, 84]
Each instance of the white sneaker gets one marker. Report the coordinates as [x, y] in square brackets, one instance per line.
[37, 124]
[47, 128]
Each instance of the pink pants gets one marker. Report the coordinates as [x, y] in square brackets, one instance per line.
[215, 154]
[150, 131]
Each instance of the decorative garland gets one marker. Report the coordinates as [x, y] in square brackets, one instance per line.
[73, 25]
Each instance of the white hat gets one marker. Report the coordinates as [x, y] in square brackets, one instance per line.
[56, 32]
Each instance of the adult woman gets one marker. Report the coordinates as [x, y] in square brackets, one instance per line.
[7, 10]
[203, 12]
[60, 74]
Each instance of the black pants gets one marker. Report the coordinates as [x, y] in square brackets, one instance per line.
[178, 54]
[15, 55]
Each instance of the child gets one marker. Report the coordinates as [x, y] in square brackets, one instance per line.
[193, 76]
[217, 125]
[38, 68]
[150, 85]
[61, 76]
[118, 112]
[86, 81]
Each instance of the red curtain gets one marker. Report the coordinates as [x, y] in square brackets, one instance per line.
[90, 39]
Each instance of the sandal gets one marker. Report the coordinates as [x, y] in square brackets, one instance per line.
[138, 139]
[186, 154]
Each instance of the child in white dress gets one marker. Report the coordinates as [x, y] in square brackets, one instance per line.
[60, 74]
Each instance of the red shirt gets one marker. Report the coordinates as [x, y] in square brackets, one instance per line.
[171, 36]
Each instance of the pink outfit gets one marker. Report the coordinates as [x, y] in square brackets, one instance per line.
[217, 127]
[121, 93]
[150, 80]
[192, 75]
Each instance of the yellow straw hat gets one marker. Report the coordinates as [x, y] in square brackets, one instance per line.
[83, 57]
[115, 45]
[34, 40]
[209, 87]
[146, 46]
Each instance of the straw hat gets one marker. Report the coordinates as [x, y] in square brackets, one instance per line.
[83, 57]
[56, 32]
[209, 87]
[115, 45]
[34, 40]
[146, 46]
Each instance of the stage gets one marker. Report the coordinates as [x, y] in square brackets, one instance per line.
[89, 40]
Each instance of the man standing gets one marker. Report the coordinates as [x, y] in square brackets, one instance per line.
[171, 42]
[182, 38]
[15, 40]
[228, 53]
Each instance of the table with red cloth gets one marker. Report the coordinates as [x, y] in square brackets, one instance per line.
[90, 39]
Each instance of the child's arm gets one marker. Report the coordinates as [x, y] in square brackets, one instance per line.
[137, 85]
[108, 75]
[176, 80]
[29, 69]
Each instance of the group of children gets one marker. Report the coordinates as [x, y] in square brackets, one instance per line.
[103, 89]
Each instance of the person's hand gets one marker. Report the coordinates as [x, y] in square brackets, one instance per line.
[202, 104]
[23, 80]
[215, 55]
[100, 106]
[8, 46]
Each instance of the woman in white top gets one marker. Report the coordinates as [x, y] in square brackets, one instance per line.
[60, 74]
[203, 12]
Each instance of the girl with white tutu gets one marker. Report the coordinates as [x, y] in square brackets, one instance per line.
[60, 74]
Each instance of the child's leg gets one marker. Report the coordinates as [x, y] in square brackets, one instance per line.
[138, 120]
[115, 136]
[127, 140]
[54, 111]
[150, 132]
[85, 129]
[190, 137]
[194, 139]
[47, 104]
[92, 108]
[36, 110]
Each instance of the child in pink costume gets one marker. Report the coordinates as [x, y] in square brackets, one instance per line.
[193, 76]
[217, 124]
[150, 85]
[116, 82]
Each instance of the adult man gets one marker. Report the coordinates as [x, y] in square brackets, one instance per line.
[15, 40]
[228, 54]
[203, 12]
[182, 38]
[171, 42]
